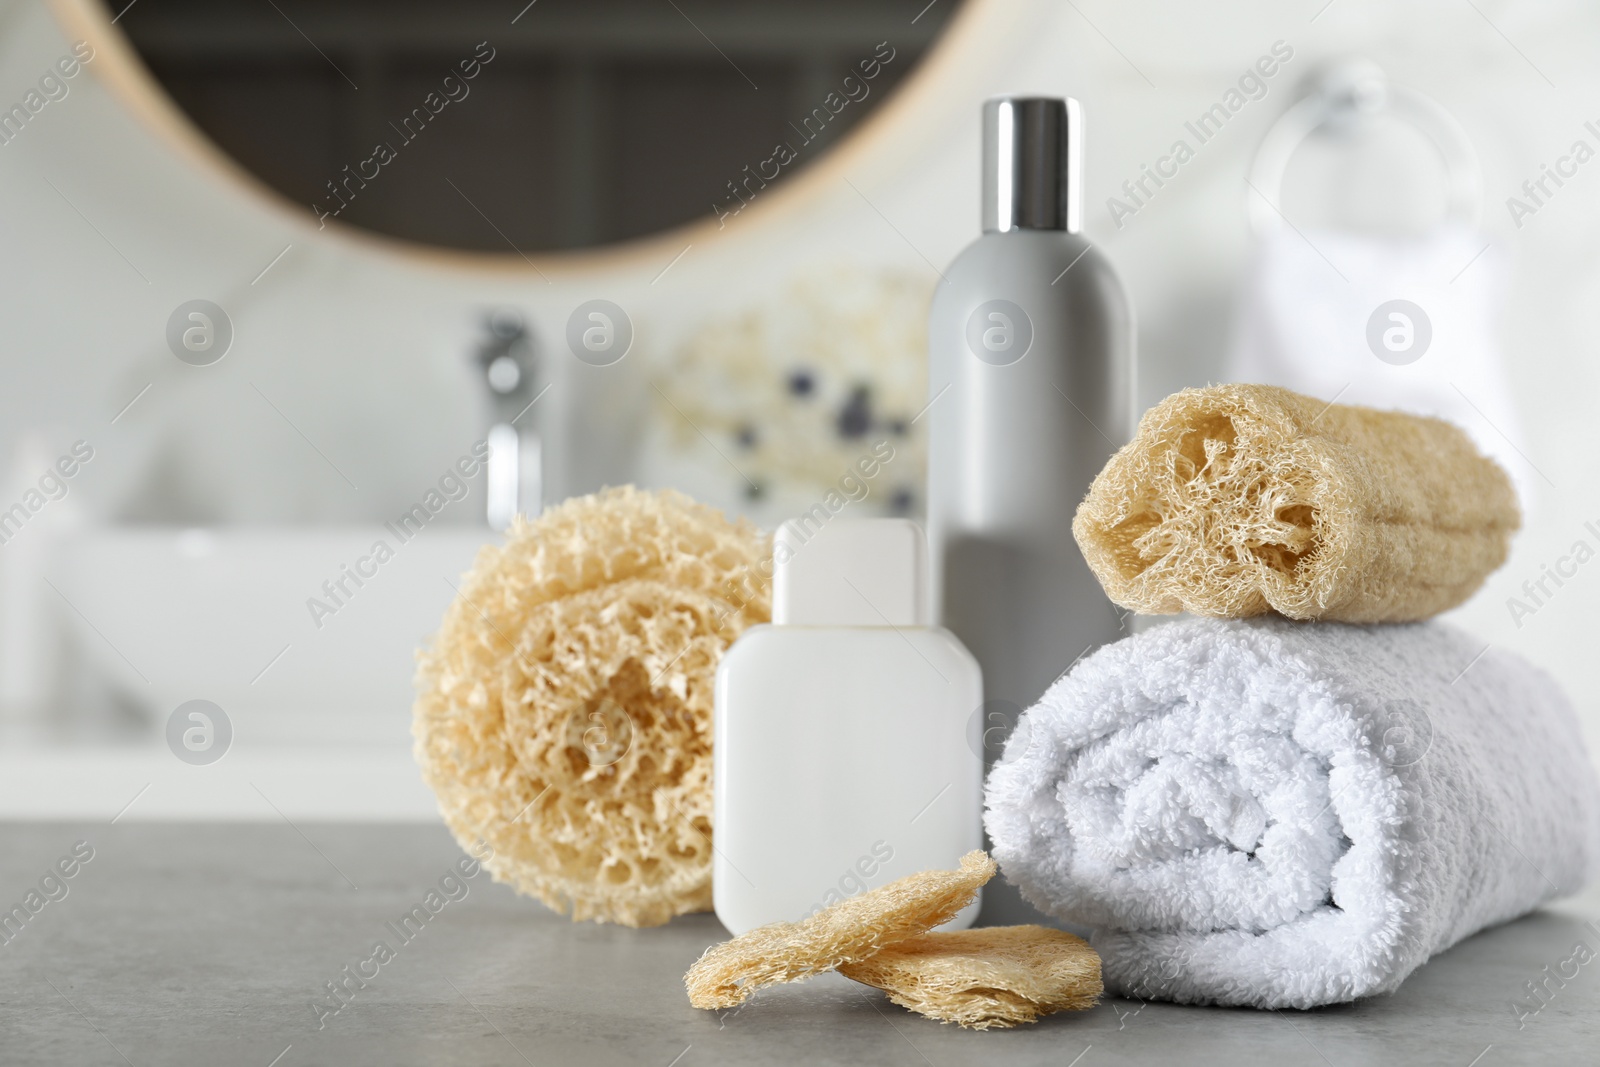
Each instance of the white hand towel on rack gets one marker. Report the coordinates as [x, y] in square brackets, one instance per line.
[1279, 814]
[1303, 326]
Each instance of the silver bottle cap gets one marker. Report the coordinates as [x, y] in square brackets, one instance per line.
[1032, 164]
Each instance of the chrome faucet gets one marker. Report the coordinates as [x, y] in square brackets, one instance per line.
[515, 469]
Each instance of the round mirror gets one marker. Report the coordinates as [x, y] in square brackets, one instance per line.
[527, 126]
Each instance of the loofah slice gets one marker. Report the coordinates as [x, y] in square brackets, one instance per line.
[993, 977]
[1239, 499]
[564, 710]
[847, 932]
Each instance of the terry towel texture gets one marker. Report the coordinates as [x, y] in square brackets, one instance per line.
[1238, 499]
[1278, 814]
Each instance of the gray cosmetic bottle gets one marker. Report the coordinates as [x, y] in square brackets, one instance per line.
[1030, 386]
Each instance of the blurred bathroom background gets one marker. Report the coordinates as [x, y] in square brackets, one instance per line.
[277, 276]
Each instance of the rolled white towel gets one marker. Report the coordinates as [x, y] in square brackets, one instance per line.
[1280, 814]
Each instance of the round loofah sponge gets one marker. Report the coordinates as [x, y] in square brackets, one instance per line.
[564, 710]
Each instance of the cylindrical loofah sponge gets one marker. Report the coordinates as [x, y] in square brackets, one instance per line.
[1239, 499]
[564, 710]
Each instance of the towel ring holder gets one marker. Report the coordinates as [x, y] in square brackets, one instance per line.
[1336, 99]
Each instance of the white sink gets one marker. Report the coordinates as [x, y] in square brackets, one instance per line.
[109, 630]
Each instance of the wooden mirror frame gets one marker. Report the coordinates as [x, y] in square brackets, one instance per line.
[120, 68]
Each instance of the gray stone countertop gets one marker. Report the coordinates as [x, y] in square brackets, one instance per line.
[209, 943]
